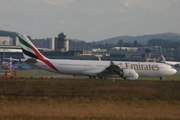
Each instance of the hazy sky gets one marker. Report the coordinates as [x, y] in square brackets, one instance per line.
[89, 20]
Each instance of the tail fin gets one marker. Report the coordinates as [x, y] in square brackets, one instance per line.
[164, 60]
[31, 53]
[28, 49]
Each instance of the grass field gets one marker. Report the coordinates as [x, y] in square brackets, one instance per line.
[45, 74]
[89, 99]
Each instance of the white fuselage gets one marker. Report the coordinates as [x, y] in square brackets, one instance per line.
[92, 68]
[171, 62]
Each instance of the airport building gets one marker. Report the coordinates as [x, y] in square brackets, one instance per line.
[178, 51]
[61, 47]
[5, 40]
[79, 45]
[62, 44]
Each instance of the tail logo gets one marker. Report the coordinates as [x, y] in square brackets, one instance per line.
[37, 54]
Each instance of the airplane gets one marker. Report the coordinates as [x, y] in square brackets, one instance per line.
[175, 64]
[169, 62]
[16, 63]
[93, 68]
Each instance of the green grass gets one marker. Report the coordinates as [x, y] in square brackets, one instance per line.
[45, 74]
[34, 73]
[167, 78]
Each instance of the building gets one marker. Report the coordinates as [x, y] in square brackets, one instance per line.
[45, 44]
[178, 53]
[80, 45]
[61, 44]
[5, 40]
[60, 47]
[125, 49]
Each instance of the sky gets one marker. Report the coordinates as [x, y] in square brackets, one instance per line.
[89, 20]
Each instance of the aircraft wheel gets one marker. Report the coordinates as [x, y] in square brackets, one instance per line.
[161, 78]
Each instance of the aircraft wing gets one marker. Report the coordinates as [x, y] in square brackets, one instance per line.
[111, 69]
[177, 65]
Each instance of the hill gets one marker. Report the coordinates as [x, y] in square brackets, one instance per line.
[143, 39]
[140, 39]
[8, 33]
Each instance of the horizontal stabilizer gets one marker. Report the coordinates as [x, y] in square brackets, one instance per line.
[31, 60]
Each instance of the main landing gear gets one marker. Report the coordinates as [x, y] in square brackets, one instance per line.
[90, 77]
[161, 78]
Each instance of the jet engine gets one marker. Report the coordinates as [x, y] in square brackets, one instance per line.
[129, 74]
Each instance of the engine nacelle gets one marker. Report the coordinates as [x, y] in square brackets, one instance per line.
[129, 74]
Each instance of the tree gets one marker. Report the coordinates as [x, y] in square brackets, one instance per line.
[120, 43]
[163, 43]
[135, 44]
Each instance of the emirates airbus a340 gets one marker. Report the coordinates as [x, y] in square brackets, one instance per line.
[102, 69]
